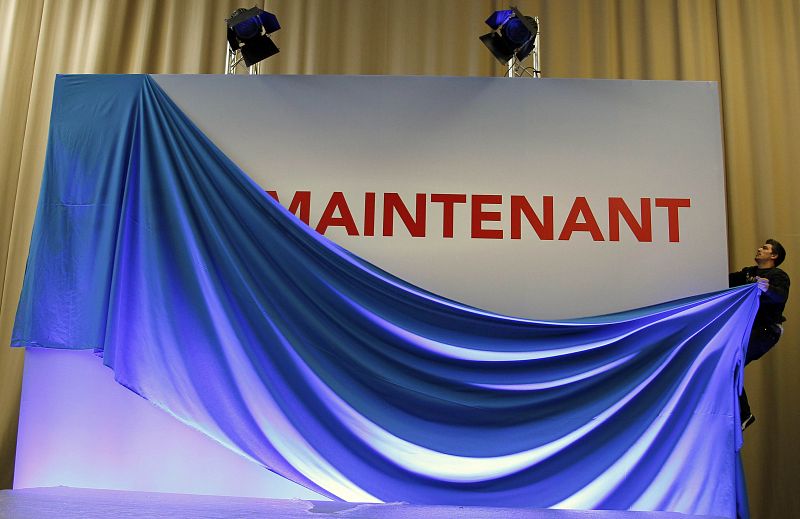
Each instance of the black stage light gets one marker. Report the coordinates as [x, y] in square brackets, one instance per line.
[513, 34]
[248, 32]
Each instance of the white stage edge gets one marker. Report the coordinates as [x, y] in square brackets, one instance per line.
[78, 503]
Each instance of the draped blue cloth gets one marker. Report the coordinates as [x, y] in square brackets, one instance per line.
[210, 300]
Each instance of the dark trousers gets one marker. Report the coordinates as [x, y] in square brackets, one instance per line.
[762, 338]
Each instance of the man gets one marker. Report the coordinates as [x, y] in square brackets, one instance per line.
[767, 328]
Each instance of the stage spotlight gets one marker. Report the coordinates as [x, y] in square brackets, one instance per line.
[513, 35]
[249, 31]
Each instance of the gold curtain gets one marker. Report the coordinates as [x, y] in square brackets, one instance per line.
[752, 48]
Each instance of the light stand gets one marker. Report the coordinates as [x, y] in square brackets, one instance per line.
[249, 39]
[517, 68]
[514, 37]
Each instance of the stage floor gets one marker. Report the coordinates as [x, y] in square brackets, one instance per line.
[74, 503]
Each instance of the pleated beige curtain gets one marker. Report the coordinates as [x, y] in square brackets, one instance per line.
[751, 47]
[759, 57]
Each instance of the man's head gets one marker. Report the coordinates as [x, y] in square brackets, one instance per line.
[771, 254]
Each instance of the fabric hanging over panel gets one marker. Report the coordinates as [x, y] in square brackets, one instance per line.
[210, 300]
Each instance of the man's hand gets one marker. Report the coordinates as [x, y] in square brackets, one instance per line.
[763, 283]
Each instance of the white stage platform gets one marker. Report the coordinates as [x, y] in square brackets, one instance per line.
[75, 503]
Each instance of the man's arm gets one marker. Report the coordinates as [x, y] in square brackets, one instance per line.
[775, 287]
[737, 279]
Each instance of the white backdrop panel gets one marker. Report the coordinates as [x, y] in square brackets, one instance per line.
[471, 136]
[563, 138]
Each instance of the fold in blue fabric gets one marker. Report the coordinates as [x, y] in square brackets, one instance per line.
[210, 300]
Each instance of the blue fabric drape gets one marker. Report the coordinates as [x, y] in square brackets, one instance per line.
[213, 302]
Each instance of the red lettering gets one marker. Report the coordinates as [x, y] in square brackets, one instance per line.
[337, 203]
[672, 205]
[448, 201]
[616, 207]
[393, 203]
[337, 213]
[479, 216]
[520, 206]
[369, 214]
[580, 208]
[301, 203]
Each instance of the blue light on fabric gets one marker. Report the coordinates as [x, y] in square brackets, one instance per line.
[210, 300]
